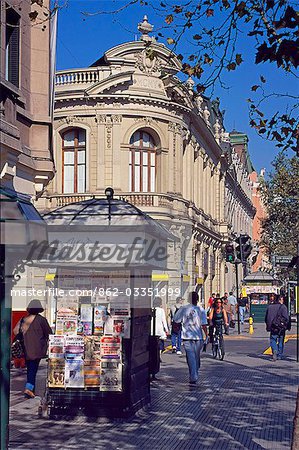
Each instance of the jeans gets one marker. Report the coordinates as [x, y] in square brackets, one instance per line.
[242, 310]
[277, 343]
[32, 367]
[176, 340]
[192, 349]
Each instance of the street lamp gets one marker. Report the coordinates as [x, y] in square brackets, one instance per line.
[20, 224]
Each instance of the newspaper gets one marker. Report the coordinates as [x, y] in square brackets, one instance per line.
[56, 346]
[56, 371]
[74, 373]
[110, 347]
[111, 376]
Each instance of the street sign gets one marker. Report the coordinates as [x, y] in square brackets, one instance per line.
[282, 260]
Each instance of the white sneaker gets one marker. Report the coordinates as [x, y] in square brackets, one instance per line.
[179, 353]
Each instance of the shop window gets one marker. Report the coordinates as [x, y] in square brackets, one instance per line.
[74, 161]
[142, 163]
[12, 47]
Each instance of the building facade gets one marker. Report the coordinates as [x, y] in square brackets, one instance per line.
[129, 122]
[26, 155]
[260, 258]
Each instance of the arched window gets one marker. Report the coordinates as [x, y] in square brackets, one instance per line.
[74, 161]
[142, 163]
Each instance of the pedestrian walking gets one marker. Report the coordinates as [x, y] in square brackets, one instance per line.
[176, 328]
[227, 307]
[36, 330]
[211, 299]
[277, 322]
[194, 321]
[233, 302]
[161, 328]
[242, 306]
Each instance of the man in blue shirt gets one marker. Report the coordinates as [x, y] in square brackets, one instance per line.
[194, 321]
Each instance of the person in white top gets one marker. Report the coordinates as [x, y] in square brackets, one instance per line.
[160, 327]
[194, 321]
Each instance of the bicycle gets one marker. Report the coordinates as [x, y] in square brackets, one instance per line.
[218, 343]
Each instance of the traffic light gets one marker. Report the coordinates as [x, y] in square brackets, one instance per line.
[243, 247]
[246, 246]
[238, 249]
[230, 253]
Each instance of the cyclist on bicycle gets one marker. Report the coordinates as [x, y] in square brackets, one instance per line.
[217, 317]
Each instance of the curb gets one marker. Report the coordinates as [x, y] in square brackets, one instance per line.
[295, 439]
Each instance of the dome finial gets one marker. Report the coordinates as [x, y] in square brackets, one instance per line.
[145, 28]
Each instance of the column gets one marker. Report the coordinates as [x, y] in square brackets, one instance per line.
[117, 168]
[171, 155]
[100, 160]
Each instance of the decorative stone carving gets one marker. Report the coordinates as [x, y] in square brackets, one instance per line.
[147, 62]
[206, 115]
[199, 102]
[71, 119]
[217, 128]
[108, 120]
[109, 136]
[190, 85]
[145, 120]
[176, 128]
[145, 28]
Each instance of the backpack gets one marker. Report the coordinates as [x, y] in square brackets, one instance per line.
[175, 327]
[280, 323]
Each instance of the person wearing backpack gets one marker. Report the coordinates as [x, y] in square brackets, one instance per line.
[277, 322]
[176, 328]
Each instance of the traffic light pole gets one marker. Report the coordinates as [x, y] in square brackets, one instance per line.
[237, 293]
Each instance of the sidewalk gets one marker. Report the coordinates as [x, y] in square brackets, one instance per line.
[245, 402]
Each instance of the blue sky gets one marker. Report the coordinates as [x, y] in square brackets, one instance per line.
[82, 40]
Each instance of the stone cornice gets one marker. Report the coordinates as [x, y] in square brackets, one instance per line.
[237, 191]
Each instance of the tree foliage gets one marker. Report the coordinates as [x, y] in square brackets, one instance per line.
[280, 230]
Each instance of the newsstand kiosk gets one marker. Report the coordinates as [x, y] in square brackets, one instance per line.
[104, 251]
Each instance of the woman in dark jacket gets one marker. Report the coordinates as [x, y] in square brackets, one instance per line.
[36, 330]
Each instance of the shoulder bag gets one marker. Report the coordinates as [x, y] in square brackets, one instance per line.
[17, 347]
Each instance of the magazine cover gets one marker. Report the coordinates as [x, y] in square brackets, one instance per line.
[87, 328]
[120, 306]
[86, 313]
[92, 371]
[99, 319]
[121, 327]
[56, 372]
[74, 345]
[66, 324]
[67, 303]
[74, 373]
[110, 347]
[92, 345]
[56, 346]
[111, 376]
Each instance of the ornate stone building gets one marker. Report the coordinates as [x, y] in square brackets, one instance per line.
[129, 122]
[26, 154]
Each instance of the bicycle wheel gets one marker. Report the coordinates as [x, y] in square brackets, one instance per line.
[221, 351]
